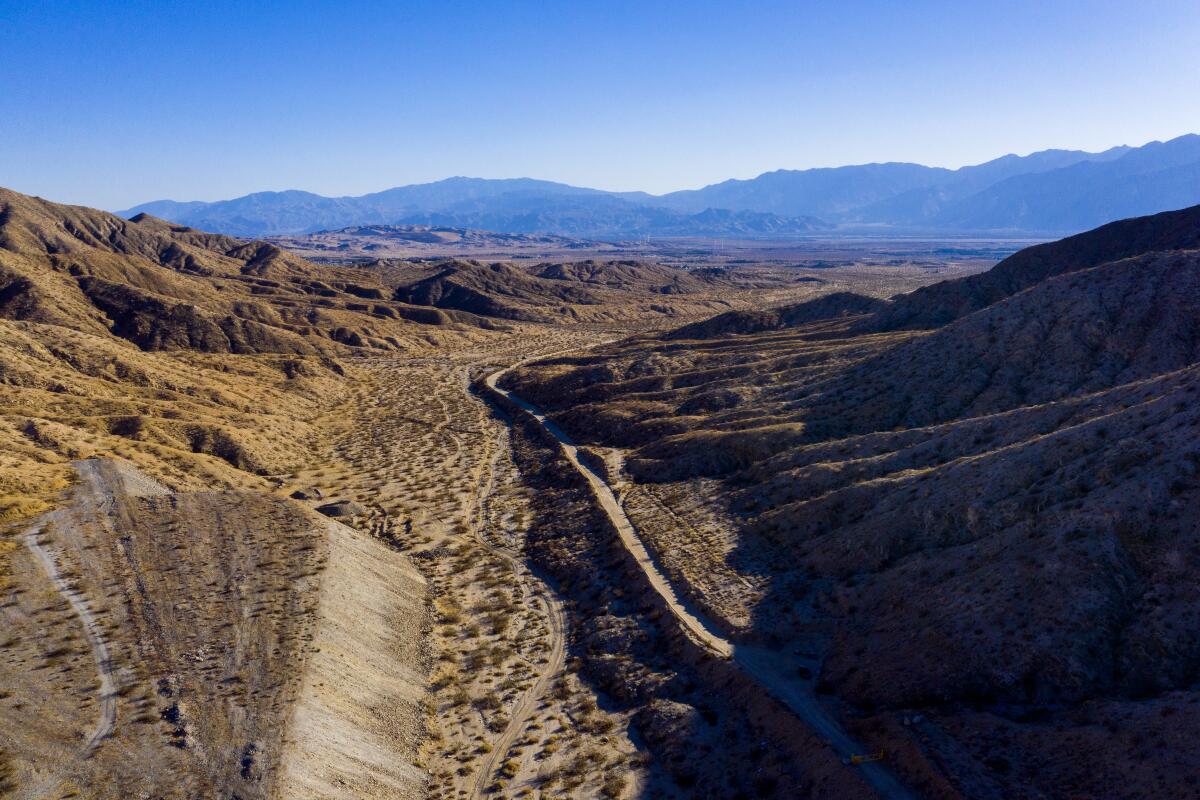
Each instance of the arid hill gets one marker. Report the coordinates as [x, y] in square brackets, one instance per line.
[979, 539]
[941, 303]
[568, 291]
[633, 276]
[830, 306]
[493, 290]
[167, 287]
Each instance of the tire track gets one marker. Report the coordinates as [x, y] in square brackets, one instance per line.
[107, 720]
[556, 619]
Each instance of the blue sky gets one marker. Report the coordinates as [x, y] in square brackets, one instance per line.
[110, 104]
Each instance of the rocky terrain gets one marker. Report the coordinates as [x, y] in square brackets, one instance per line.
[581, 290]
[260, 538]
[825, 529]
[974, 535]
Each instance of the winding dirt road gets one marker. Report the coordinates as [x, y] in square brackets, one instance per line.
[107, 719]
[757, 663]
[534, 585]
[527, 705]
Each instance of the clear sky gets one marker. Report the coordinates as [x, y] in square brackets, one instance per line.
[115, 103]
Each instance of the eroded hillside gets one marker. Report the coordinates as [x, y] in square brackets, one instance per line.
[185, 633]
[977, 537]
[179, 408]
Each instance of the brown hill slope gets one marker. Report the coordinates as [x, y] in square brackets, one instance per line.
[989, 528]
[830, 306]
[627, 276]
[167, 287]
[941, 303]
[1081, 332]
[587, 291]
[493, 290]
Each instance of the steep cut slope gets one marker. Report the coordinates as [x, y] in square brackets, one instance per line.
[367, 655]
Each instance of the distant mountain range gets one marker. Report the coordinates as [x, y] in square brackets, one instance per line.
[518, 205]
[1050, 192]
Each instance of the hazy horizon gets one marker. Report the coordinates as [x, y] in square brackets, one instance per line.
[224, 100]
[630, 189]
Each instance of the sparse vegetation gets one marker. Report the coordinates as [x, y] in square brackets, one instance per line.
[809, 474]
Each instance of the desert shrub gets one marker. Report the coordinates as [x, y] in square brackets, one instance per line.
[614, 784]
[598, 724]
[8, 776]
[488, 702]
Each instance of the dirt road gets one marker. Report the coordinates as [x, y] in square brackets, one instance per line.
[699, 629]
[107, 719]
[533, 585]
[527, 705]
[757, 663]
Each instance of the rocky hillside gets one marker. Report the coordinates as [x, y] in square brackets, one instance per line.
[166, 287]
[564, 291]
[982, 535]
[944, 302]
[827, 307]
[493, 290]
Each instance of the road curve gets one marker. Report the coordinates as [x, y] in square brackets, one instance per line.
[527, 705]
[757, 663]
[557, 633]
[107, 719]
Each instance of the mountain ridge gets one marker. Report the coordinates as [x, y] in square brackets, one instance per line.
[1045, 192]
